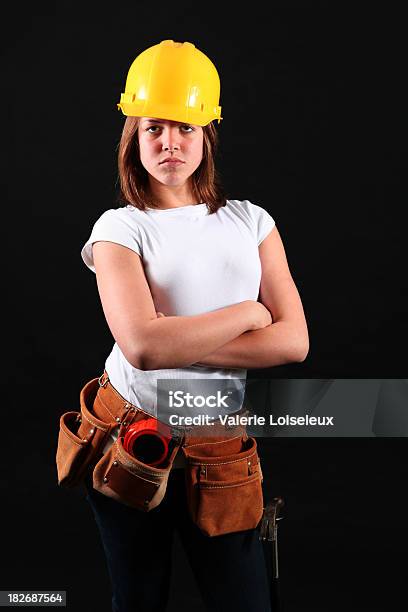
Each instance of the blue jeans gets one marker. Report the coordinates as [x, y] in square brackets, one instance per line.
[230, 569]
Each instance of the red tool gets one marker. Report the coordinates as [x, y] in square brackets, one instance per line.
[148, 441]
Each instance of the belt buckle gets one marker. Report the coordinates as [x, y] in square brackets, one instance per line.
[105, 382]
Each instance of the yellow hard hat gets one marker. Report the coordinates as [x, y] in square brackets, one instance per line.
[175, 81]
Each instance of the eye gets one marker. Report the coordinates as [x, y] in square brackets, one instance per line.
[187, 131]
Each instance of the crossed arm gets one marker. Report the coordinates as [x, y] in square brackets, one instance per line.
[238, 336]
[286, 339]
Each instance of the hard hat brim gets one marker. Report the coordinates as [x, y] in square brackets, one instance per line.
[188, 115]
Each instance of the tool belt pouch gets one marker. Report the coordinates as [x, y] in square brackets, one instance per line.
[224, 485]
[127, 480]
[80, 439]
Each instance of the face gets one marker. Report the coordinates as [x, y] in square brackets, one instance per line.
[160, 139]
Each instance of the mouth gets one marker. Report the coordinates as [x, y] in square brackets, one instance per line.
[174, 161]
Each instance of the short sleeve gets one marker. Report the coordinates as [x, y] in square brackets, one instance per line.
[261, 221]
[112, 226]
[265, 223]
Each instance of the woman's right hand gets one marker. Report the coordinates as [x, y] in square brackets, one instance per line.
[259, 315]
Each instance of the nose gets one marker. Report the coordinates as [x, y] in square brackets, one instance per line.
[170, 139]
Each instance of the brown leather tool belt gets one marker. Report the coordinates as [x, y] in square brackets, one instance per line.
[222, 467]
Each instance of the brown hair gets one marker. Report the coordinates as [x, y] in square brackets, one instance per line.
[133, 177]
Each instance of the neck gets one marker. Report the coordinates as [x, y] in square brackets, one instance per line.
[171, 196]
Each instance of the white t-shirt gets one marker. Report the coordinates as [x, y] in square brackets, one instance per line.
[194, 262]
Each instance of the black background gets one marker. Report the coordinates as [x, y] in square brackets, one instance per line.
[314, 131]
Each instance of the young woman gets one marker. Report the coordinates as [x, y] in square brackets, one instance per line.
[179, 270]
